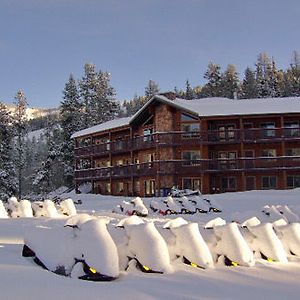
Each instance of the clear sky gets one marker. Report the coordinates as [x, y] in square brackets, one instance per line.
[169, 41]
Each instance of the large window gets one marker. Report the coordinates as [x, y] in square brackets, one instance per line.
[269, 182]
[291, 129]
[292, 152]
[268, 153]
[108, 187]
[268, 129]
[83, 164]
[191, 183]
[228, 183]
[120, 187]
[227, 160]
[226, 132]
[191, 158]
[149, 187]
[147, 133]
[293, 181]
[190, 130]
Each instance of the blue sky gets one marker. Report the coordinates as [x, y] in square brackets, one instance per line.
[169, 41]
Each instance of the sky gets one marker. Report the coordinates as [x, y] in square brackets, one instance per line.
[168, 41]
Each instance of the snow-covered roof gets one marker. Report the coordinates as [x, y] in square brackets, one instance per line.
[209, 107]
[102, 127]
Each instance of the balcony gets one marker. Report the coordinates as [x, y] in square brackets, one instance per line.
[191, 139]
[192, 167]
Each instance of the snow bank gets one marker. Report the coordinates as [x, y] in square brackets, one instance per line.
[3, 212]
[289, 235]
[232, 245]
[191, 245]
[68, 208]
[148, 247]
[265, 241]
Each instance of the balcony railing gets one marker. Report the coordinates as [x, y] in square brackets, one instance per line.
[191, 139]
[191, 167]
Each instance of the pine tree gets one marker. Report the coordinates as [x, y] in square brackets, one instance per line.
[292, 77]
[230, 82]
[249, 87]
[71, 121]
[263, 67]
[20, 127]
[213, 75]
[151, 89]
[98, 96]
[189, 93]
[8, 180]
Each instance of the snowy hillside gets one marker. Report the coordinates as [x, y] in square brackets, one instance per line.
[33, 113]
[265, 280]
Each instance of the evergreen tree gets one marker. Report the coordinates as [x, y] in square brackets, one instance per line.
[151, 89]
[263, 67]
[20, 127]
[8, 180]
[213, 75]
[189, 93]
[292, 77]
[230, 82]
[249, 87]
[98, 96]
[70, 120]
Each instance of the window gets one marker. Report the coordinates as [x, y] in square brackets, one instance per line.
[149, 157]
[226, 132]
[227, 160]
[190, 129]
[120, 162]
[120, 187]
[148, 134]
[108, 187]
[228, 183]
[102, 163]
[137, 187]
[84, 142]
[186, 117]
[292, 152]
[149, 187]
[191, 183]
[268, 130]
[190, 158]
[83, 164]
[269, 182]
[268, 153]
[293, 181]
[291, 129]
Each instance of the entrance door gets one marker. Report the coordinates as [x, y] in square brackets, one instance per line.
[150, 187]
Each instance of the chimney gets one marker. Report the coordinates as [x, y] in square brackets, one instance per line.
[169, 95]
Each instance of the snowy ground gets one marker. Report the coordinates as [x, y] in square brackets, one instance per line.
[21, 279]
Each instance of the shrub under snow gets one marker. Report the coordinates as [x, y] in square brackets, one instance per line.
[68, 208]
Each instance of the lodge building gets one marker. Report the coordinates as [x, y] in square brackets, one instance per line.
[212, 144]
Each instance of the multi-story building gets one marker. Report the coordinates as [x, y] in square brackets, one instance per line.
[213, 144]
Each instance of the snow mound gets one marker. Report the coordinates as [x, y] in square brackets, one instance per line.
[280, 222]
[215, 222]
[175, 223]
[251, 222]
[132, 220]
[231, 244]
[147, 246]
[289, 235]
[3, 212]
[25, 209]
[78, 220]
[139, 206]
[265, 241]
[49, 209]
[191, 246]
[288, 214]
[68, 208]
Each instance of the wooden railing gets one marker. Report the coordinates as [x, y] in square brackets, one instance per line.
[191, 167]
[191, 139]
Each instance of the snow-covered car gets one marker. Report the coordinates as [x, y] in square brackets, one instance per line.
[135, 207]
[82, 249]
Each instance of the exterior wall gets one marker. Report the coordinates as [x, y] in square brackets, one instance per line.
[139, 176]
